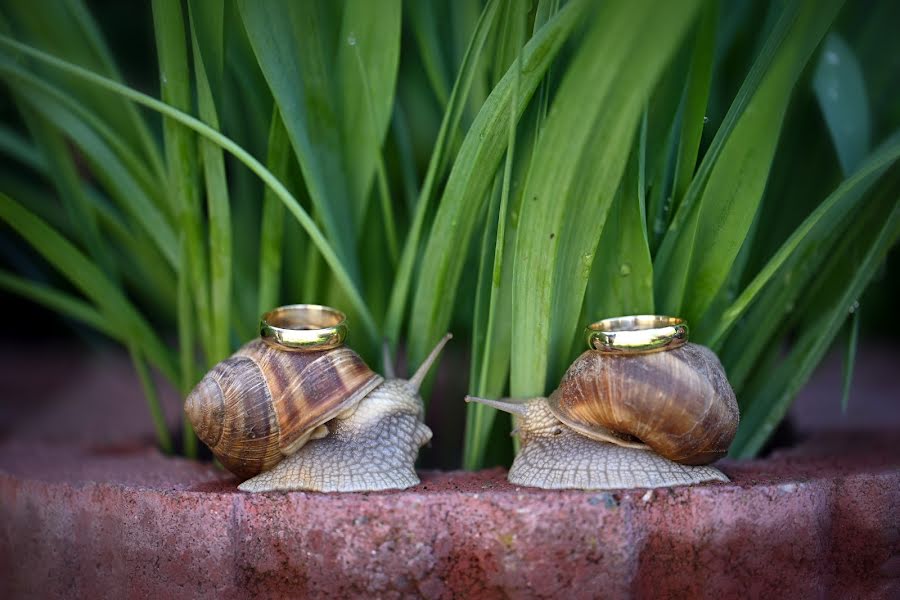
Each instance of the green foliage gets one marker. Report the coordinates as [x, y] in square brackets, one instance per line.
[509, 170]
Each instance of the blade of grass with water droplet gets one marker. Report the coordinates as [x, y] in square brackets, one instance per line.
[580, 158]
[337, 268]
[470, 179]
[181, 158]
[711, 224]
[208, 18]
[841, 93]
[366, 68]
[437, 164]
[824, 312]
[290, 40]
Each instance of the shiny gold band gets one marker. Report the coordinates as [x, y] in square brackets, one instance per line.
[303, 327]
[637, 334]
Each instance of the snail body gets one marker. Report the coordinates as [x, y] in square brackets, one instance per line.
[308, 420]
[647, 420]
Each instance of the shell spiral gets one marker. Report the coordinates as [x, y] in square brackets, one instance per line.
[262, 404]
[678, 402]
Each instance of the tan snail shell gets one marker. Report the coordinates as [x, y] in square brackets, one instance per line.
[678, 402]
[263, 404]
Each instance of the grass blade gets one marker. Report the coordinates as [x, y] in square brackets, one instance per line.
[57, 301]
[175, 87]
[850, 357]
[809, 241]
[436, 165]
[696, 96]
[841, 93]
[271, 232]
[579, 161]
[367, 58]
[288, 40]
[469, 181]
[712, 221]
[490, 351]
[217, 204]
[90, 280]
[341, 274]
[826, 312]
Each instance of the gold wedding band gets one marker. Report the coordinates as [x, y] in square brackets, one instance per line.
[637, 334]
[303, 327]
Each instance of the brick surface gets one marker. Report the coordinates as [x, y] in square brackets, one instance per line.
[819, 521]
[89, 509]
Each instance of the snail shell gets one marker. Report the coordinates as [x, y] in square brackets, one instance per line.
[678, 403]
[263, 404]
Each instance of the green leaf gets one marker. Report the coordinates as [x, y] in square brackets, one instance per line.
[271, 232]
[65, 27]
[57, 301]
[469, 181]
[114, 164]
[841, 92]
[367, 58]
[579, 161]
[218, 209]
[490, 341]
[181, 158]
[838, 285]
[850, 357]
[796, 260]
[90, 280]
[289, 41]
[709, 228]
[436, 166]
[696, 95]
[331, 258]
[621, 281]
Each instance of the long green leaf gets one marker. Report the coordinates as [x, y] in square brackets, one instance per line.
[711, 224]
[288, 39]
[436, 165]
[230, 146]
[469, 181]
[218, 209]
[111, 161]
[271, 232]
[367, 58]
[841, 93]
[90, 280]
[57, 301]
[826, 313]
[811, 240]
[490, 351]
[579, 162]
[181, 157]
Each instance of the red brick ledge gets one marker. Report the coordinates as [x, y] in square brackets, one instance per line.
[822, 520]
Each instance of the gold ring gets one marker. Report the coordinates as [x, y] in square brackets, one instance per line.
[303, 327]
[637, 334]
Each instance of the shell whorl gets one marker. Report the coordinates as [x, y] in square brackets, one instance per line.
[678, 402]
[261, 404]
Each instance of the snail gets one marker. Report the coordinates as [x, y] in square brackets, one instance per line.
[622, 421]
[317, 419]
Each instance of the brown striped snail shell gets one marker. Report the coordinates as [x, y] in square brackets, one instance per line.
[678, 403]
[263, 404]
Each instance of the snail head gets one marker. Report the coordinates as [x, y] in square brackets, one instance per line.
[532, 416]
